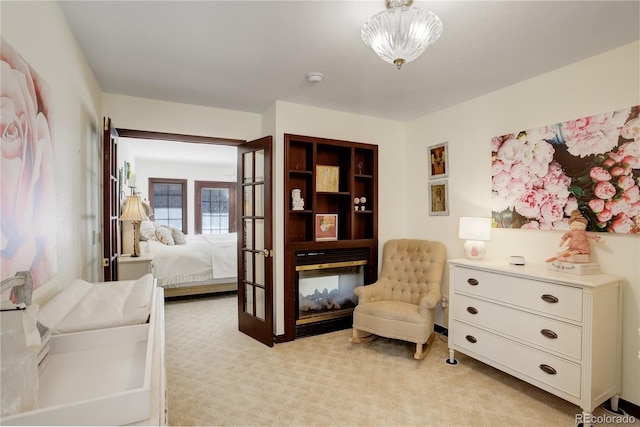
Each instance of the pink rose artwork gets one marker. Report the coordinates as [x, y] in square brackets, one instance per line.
[28, 208]
[591, 164]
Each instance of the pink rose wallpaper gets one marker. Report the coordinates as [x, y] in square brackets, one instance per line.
[591, 164]
[28, 203]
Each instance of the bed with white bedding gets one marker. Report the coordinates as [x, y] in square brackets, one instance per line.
[201, 264]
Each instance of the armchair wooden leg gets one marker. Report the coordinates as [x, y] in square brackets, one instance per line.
[360, 337]
[423, 349]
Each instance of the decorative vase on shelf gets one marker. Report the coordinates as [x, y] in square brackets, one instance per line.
[297, 202]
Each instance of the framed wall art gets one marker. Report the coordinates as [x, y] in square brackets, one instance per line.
[326, 227]
[438, 159]
[327, 178]
[438, 198]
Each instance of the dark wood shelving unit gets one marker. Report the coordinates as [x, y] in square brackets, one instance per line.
[357, 165]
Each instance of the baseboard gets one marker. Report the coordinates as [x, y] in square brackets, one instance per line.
[441, 330]
[626, 406]
[629, 408]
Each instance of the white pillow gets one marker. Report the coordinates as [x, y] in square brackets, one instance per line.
[147, 230]
[163, 235]
[178, 236]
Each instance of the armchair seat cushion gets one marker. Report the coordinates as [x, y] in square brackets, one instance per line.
[399, 320]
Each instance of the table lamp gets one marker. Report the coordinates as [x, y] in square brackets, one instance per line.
[134, 212]
[475, 230]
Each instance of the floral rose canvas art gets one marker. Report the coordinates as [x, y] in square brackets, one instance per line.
[591, 164]
[28, 204]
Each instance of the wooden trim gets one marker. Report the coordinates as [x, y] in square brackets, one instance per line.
[177, 137]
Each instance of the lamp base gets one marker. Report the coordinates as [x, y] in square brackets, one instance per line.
[475, 249]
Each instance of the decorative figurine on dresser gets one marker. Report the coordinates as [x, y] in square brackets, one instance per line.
[559, 332]
[575, 254]
[297, 202]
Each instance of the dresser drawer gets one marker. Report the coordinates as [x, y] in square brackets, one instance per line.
[558, 300]
[559, 337]
[527, 363]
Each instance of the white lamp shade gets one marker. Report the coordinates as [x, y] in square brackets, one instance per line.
[474, 228]
[133, 210]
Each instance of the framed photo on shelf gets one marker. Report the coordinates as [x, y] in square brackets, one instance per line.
[438, 159]
[438, 198]
[326, 227]
[327, 178]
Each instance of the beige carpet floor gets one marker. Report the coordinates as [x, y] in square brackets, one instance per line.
[220, 377]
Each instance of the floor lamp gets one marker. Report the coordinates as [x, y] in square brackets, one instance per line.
[134, 212]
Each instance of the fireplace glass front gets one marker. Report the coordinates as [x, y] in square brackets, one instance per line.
[325, 291]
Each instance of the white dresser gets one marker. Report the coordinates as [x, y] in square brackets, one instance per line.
[557, 331]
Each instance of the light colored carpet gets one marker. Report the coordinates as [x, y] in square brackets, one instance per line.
[219, 376]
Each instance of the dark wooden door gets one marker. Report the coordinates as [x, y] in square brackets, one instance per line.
[110, 201]
[255, 240]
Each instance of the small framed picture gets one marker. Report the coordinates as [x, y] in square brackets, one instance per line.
[327, 178]
[326, 227]
[438, 198]
[438, 159]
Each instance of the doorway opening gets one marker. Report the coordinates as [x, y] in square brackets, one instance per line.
[188, 186]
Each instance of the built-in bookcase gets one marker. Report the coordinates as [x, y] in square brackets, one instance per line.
[330, 175]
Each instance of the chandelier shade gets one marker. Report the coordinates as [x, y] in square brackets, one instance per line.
[401, 33]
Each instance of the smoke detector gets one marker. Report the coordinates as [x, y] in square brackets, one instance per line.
[314, 77]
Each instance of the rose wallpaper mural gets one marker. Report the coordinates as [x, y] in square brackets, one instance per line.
[28, 208]
[591, 164]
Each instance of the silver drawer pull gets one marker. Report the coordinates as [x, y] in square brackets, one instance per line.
[471, 339]
[472, 310]
[548, 369]
[550, 298]
[472, 282]
[549, 333]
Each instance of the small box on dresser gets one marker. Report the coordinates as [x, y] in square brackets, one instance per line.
[557, 331]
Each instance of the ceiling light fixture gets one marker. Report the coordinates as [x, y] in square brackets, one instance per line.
[401, 33]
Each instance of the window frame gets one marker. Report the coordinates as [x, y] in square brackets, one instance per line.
[183, 183]
[197, 202]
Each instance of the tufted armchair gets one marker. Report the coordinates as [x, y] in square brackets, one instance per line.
[401, 304]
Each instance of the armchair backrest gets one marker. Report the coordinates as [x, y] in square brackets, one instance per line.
[411, 269]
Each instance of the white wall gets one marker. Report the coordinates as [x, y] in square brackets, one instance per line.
[40, 34]
[160, 116]
[603, 83]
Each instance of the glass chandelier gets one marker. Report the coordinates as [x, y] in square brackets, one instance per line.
[401, 33]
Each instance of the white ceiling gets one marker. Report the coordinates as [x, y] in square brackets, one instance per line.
[244, 55]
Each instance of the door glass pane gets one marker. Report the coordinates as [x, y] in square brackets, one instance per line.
[247, 158]
[259, 189]
[248, 299]
[259, 159]
[259, 232]
[248, 234]
[248, 201]
[260, 303]
[248, 267]
[259, 273]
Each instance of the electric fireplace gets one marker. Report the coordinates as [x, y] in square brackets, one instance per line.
[325, 281]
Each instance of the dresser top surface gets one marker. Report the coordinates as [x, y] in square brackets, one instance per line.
[536, 271]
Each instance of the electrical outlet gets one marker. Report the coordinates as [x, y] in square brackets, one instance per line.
[445, 302]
